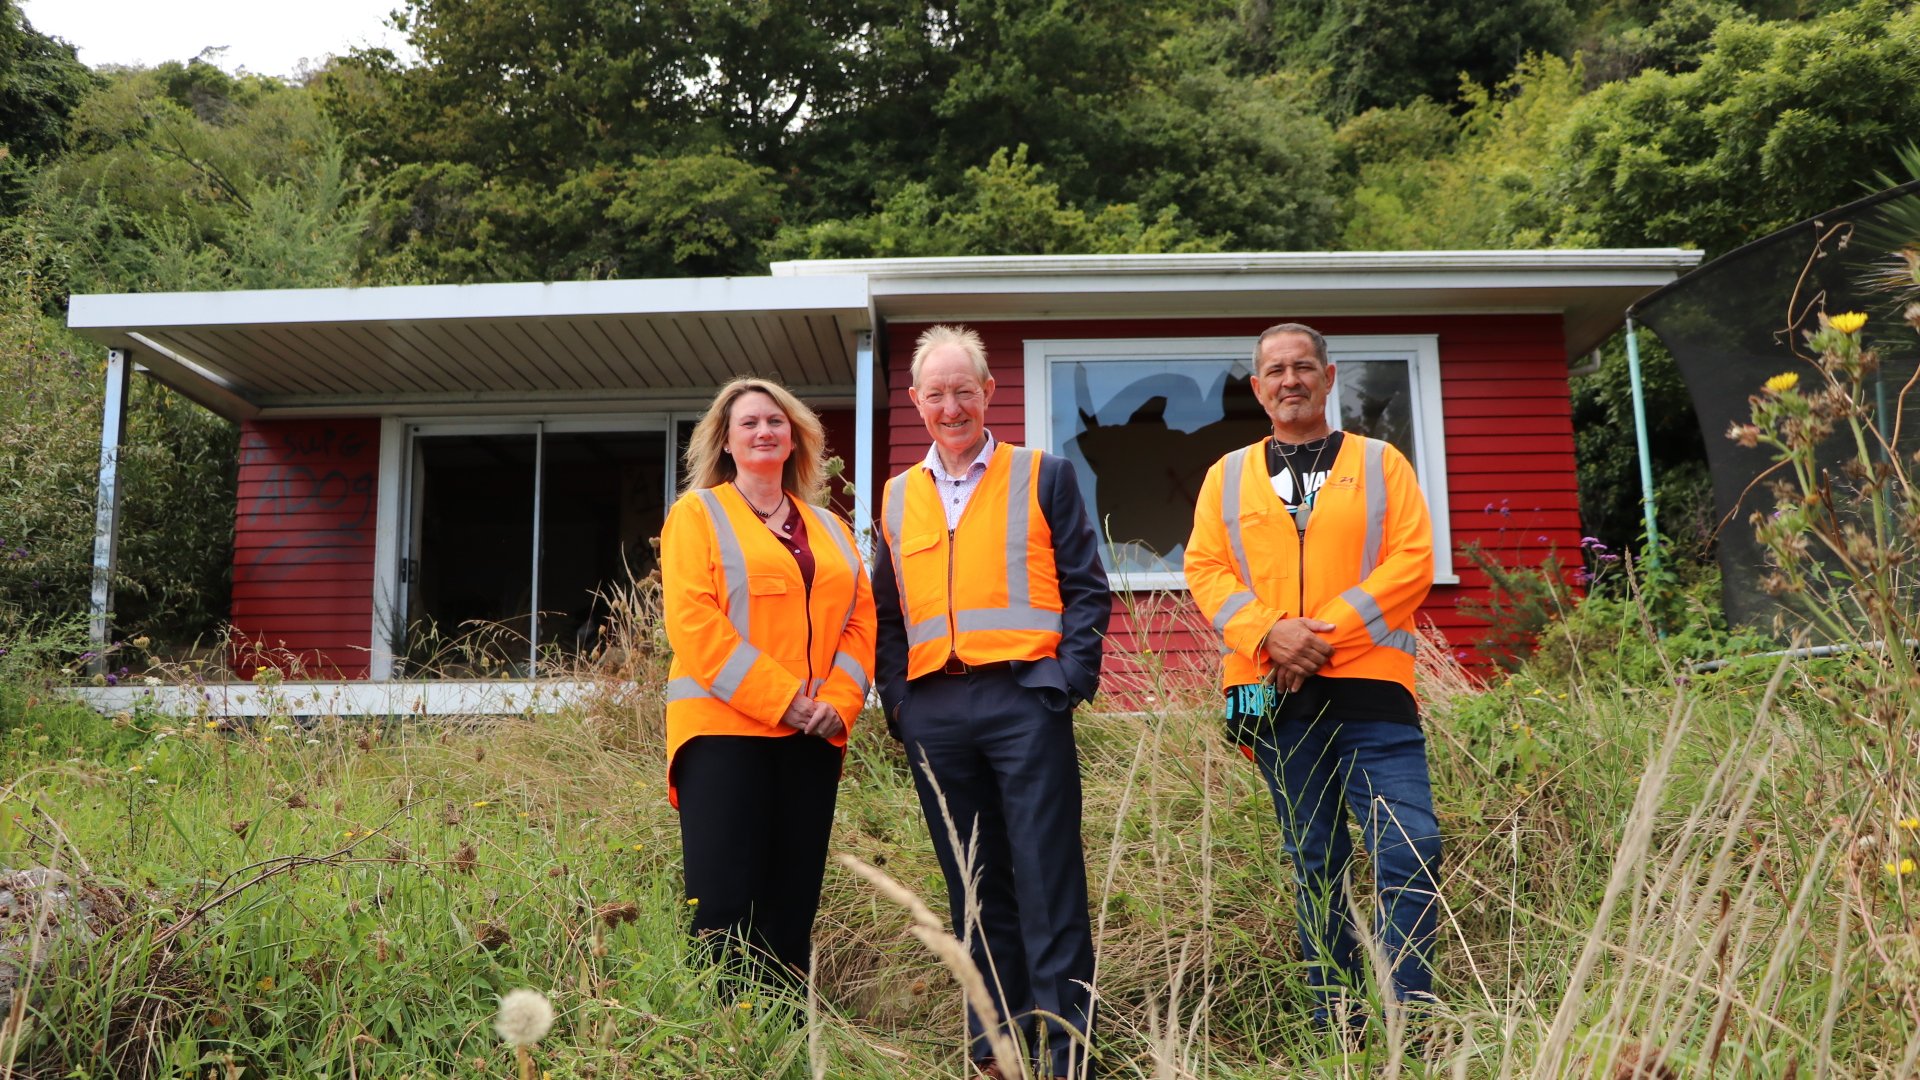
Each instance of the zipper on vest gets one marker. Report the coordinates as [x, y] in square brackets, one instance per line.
[953, 625]
[1300, 574]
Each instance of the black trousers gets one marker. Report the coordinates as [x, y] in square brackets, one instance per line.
[1009, 773]
[755, 816]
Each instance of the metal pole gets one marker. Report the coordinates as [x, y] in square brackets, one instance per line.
[539, 482]
[106, 507]
[860, 469]
[1640, 438]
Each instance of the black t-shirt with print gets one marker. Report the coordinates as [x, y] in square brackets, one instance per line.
[1298, 473]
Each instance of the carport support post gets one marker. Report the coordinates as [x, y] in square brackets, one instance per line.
[862, 466]
[106, 507]
[1640, 437]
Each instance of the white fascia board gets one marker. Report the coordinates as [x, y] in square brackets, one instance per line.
[840, 294]
[1452, 264]
[1428, 282]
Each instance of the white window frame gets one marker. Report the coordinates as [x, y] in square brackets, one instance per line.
[1421, 351]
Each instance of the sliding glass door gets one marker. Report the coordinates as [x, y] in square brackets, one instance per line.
[516, 534]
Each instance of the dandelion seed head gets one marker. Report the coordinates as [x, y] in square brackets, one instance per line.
[525, 1017]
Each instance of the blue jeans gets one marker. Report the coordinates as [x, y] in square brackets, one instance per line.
[1319, 770]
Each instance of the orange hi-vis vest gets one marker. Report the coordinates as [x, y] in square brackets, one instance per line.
[746, 630]
[987, 590]
[1364, 564]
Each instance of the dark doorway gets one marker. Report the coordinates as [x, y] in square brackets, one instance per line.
[472, 590]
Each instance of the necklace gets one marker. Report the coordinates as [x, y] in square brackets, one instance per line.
[759, 513]
[1289, 453]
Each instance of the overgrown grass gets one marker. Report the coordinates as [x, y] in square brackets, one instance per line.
[1689, 872]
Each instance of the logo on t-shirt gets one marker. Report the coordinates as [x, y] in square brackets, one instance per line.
[1283, 486]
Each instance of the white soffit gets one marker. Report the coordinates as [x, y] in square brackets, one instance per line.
[1590, 288]
[530, 344]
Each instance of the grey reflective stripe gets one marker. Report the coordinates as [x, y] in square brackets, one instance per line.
[1376, 621]
[1230, 510]
[1376, 506]
[812, 687]
[896, 522]
[1404, 640]
[734, 671]
[927, 630]
[851, 668]
[732, 560]
[685, 688]
[1231, 608]
[1369, 611]
[1019, 518]
[1007, 619]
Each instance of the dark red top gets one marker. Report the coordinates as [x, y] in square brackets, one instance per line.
[793, 536]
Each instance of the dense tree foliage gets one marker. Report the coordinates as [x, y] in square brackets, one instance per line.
[568, 139]
[41, 83]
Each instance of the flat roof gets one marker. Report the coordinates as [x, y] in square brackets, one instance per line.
[665, 343]
[1591, 288]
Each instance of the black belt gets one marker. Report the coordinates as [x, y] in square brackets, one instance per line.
[957, 666]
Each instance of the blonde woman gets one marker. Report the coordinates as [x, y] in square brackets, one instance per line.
[770, 617]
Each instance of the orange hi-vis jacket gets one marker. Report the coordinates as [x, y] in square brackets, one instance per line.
[986, 591]
[746, 630]
[1365, 564]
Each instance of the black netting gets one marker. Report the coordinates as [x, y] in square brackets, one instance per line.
[1741, 319]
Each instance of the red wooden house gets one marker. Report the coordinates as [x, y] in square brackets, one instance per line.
[419, 461]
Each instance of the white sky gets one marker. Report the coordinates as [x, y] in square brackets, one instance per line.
[266, 37]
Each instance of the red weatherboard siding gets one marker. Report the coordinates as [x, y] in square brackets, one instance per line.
[303, 547]
[1511, 478]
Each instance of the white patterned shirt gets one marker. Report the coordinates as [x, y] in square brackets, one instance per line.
[956, 490]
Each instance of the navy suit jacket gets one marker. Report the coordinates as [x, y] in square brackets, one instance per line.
[1086, 602]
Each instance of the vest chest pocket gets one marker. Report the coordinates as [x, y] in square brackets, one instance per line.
[766, 585]
[917, 545]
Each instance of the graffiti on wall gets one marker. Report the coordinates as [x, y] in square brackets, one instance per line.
[307, 497]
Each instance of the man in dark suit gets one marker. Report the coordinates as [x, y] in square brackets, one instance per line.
[993, 608]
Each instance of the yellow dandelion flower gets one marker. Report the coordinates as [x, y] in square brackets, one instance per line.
[637, 847]
[1783, 382]
[693, 901]
[348, 835]
[745, 1005]
[266, 983]
[213, 723]
[1910, 823]
[1848, 322]
[481, 803]
[1901, 868]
